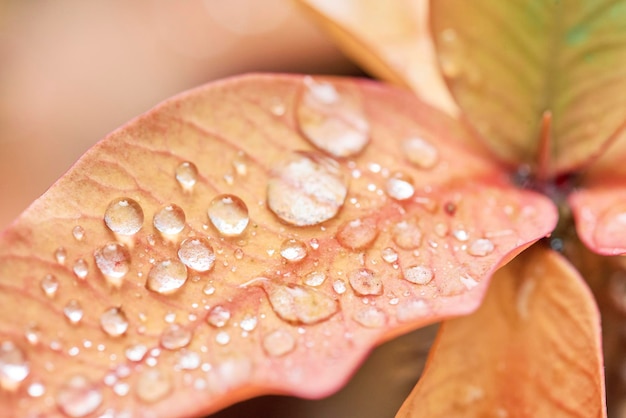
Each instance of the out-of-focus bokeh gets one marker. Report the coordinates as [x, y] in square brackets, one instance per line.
[72, 71]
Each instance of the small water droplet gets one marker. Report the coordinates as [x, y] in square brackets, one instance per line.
[208, 289]
[365, 282]
[78, 232]
[238, 253]
[441, 229]
[314, 243]
[166, 276]
[78, 397]
[400, 186]
[153, 385]
[420, 152]
[36, 390]
[60, 255]
[222, 338]
[175, 336]
[279, 342]
[229, 215]
[124, 216]
[248, 323]
[370, 317]
[197, 254]
[136, 352]
[113, 261]
[188, 360]
[300, 304]
[114, 322]
[407, 235]
[14, 367]
[187, 175]
[240, 164]
[461, 235]
[49, 284]
[315, 278]
[450, 53]
[73, 311]
[419, 274]
[339, 286]
[389, 255]
[169, 220]
[306, 189]
[293, 250]
[218, 316]
[33, 335]
[481, 247]
[411, 310]
[80, 268]
[358, 233]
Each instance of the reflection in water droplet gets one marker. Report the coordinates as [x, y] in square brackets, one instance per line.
[339, 286]
[420, 152]
[481, 247]
[167, 276]
[306, 189]
[78, 397]
[279, 342]
[358, 233]
[169, 220]
[418, 274]
[153, 385]
[114, 322]
[370, 317]
[229, 215]
[389, 255]
[78, 232]
[80, 268]
[293, 250]
[197, 254]
[124, 216]
[73, 311]
[314, 278]
[332, 122]
[187, 175]
[14, 367]
[407, 235]
[175, 336]
[365, 282]
[248, 323]
[113, 260]
[300, 304]
[60, 255]
[218, 316]
[49, 284]
[400, 187]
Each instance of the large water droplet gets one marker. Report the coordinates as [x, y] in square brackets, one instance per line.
[365, 282]
[153, 385]
[418, 274]
[197, 254]
[167, 276]
[80, 268]
[370, 317]
[279, 342]
[114, 322]
[315, 278]
[300, 304]
[49, 284]
[420, 152]
[73, 311]
[293, 250]
[407, 235]
[175, 336]
[218, 316]
[306, 189]
[169, 220]
[400, 187]
[187, 175]
[14, 367]
[124, 216]
[229, 215]
[78, 232]
[358, 233]
[78, 397]
[113, 260]
[481, 247]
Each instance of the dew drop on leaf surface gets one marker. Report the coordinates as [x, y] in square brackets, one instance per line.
[175, 336]
[13, 366]
[229, 215]
[169, 220]
[60, 255]
[358, 233]
[299, 304]
[399, 186]
[389, 255]
[78, 397]
[370, 317]
[418, 274]
[197, 254]
[481, 247]
[293, 250]
[279, 342]
[365, 282]
[407, 235]
[420, 152]
[80, 268]
[78, 232]
[153, 385]
[49, 284]
[187, 175]
[113, 261]
[167, 276]
[124, 216]
[315, 278]
[248, 323]
[73, 311]
[114, 322]
[218, 316]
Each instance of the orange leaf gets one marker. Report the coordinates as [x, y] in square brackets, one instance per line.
[390, 39]
[257, 235]
[531, 350]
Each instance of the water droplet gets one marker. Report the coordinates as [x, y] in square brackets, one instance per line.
[481, 247]
[300, 304]
[306, 189]
[114, 322]
[124, 216]
[365, 282]
[389, 255]
[36, 390]
[314, 243]
[187, 175]
[461, 235]
[418, 274]
[60, 255]
[167, 276]
[33, 335]
[279, 342]
[468, 281]
[441, 229]
[315, 278]
[332, 122]
[14, 367]
[238, 253]
[78, 232]
[400, 186]
[248, 323]
[370, 317]
[113, 260]
[358, 233]
[136, 352]
[78, 397]
[420, 152]
[407, 235]
[222, 338]
[293, 250]
[208, 289]
[411, 310]
[73, 311]
[49, 284]
[229, 215]
[240, 164]
[197, 254]
[80, 268]
[169, 220]
[188, 360]
[175, 336]
[153, 385]
[218, 316]
[339, 286]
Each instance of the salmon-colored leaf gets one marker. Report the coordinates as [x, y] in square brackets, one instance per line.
[257, 235]
[507, 63]
[531, 350]
[390, 39]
